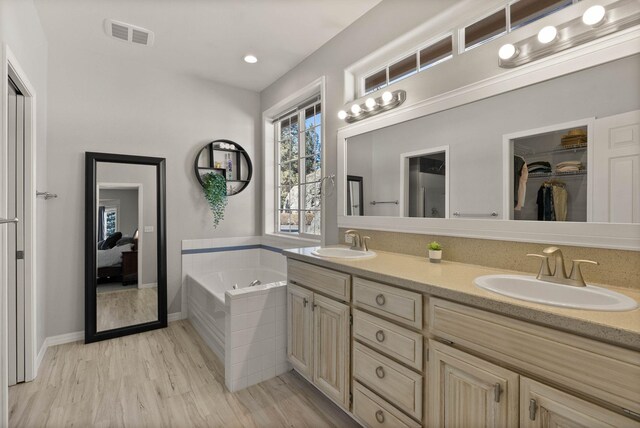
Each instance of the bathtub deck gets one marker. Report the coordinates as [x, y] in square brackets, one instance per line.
[166, 377]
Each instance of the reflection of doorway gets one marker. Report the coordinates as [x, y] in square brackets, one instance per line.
[355, 198]
[424, 183]
[120, 243]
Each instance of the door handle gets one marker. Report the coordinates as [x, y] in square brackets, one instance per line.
[8, 220]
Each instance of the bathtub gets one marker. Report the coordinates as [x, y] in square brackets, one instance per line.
[245, 326]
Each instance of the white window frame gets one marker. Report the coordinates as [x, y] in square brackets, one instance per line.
[300, 159]
[270, 172]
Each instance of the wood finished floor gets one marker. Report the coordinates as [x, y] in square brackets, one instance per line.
[126, 307]
[163, 378]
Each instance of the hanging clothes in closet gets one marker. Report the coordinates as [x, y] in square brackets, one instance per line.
[552, 201]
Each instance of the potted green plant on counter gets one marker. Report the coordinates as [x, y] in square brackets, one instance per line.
[215, 191]
[435, 252]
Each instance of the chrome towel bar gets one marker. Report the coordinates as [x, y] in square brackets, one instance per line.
[384, 202]
[459, 214]
[8, 220]
[46, 195]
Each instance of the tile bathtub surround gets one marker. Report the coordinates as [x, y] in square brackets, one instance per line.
[619, 268]
[256, 337]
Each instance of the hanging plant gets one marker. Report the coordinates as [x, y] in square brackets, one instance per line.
[215, 191]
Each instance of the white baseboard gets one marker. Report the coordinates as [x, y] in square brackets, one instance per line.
[176, 316]
[149, 285]
[60, 339]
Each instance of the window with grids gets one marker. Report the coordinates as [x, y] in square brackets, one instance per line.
[420, 60]
[299, 172]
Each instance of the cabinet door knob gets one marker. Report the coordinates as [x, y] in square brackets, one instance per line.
[380, 416]
[380, 336]
[380, 372]
[380, 300]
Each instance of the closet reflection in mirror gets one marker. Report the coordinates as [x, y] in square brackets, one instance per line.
[578, 135]
[126, 261]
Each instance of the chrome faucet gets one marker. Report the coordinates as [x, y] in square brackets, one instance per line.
[358, 243]
[559, 274]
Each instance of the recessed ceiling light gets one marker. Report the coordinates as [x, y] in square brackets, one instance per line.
[251, 59]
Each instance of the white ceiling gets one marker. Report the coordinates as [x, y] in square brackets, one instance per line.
[206, 38]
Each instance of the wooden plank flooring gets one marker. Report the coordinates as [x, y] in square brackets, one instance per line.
[163, 378]
[126, 307]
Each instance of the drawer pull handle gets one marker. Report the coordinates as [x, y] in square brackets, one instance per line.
[380, 336]
[380, 372]
[304, 302]
[497, 391]
[380, 416]
[380, 300]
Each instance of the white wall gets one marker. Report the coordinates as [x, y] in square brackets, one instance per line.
[475, 131]
[385, 22]
[21, 32]
[121, 106]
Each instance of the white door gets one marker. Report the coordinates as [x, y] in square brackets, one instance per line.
[616, 169]
[15, 236]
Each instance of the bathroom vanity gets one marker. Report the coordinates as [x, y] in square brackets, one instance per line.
[398, 342]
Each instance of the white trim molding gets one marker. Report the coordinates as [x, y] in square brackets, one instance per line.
[268, 153]
[597, 235]
[10, 67]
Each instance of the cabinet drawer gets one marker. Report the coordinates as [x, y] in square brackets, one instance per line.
[327, 281]
[394, 303]
[397, 342]
[375, 411]
[397, 384]
[585, 366]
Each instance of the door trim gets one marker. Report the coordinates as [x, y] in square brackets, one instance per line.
[11, 68]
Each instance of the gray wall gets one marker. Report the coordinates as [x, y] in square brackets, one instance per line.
[382, 24]
[98, 104]
[475, 131]
[20, 29]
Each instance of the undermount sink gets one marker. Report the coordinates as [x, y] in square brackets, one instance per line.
[533, 290]
[343, 253]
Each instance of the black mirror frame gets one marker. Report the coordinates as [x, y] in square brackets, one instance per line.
[91, 239]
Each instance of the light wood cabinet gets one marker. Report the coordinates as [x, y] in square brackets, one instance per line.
[331, 348]
[300, 329]
[466, 391]
[318, 341]
[544, 407]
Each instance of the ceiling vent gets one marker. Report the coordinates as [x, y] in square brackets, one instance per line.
[128, 33]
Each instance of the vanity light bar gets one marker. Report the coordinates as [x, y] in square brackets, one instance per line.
[597, 21]
[373, 105]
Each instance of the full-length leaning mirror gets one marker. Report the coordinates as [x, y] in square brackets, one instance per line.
[125, 245]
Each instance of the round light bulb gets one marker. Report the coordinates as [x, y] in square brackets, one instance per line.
[387, 97]
[507, 51]
[547, 34]
[251, 59]
[594, 15]
[356, 109]
[342, 115]
[370, 103]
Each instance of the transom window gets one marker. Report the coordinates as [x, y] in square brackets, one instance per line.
[514, 14]
[299, 172]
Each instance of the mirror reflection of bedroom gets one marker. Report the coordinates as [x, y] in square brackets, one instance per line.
[126, 292]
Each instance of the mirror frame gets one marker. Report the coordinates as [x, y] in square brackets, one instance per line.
[91, 238]
[421, 103]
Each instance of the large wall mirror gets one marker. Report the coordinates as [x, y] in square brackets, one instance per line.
[125, 259]
[562, 150]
